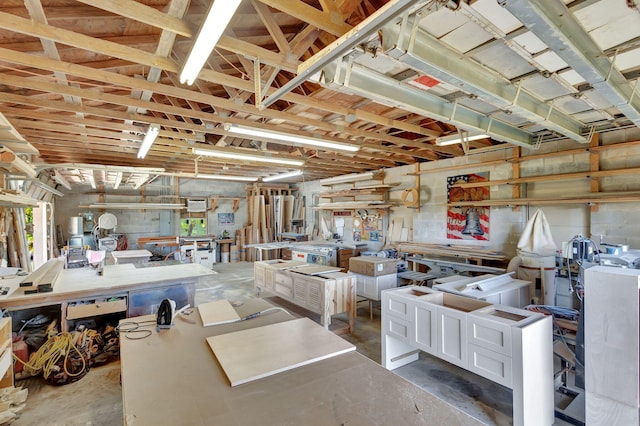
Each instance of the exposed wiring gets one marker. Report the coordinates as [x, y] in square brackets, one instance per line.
[50, 353]
[135, 328]
[556, 311]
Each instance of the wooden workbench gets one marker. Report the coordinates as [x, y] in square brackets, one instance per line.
[190, 387]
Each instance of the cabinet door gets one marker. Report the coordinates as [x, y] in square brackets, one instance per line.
[452, 336]
[425, 327]
[300, 285]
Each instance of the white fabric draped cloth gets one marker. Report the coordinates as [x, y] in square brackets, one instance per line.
[536, 238]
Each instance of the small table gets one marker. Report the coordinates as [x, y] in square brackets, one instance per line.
[131, 256]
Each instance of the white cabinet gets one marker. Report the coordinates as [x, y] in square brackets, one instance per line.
[612, 346]
[372, 287]
[507, 345]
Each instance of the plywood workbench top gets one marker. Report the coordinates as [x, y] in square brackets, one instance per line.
[190, 387]
[78, 281]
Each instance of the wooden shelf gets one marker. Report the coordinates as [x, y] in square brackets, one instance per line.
[354, 192]
[351, 205]
[590, 199]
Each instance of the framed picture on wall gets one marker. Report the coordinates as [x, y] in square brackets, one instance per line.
[467, 222]
[226, 219]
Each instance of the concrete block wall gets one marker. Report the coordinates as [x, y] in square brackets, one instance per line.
[616, 222]
[145, 223]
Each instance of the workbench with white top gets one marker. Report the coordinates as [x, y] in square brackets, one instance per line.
[128, 288]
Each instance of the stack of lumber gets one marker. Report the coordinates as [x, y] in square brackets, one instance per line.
[44, 278]
[449, 250]
[272, 210]
[14, 242]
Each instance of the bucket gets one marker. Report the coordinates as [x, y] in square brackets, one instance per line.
[75, 225]
[224, 257]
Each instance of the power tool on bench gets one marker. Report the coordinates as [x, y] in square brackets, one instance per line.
[167, 313]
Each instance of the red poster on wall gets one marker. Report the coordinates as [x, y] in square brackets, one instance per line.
[467, 222]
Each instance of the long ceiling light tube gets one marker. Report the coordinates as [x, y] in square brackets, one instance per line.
[149, 139]
[214, 24]
[354, 177]
[226, 177]
[458, 138]
[288, 137]
[246, 157]
[282, 176]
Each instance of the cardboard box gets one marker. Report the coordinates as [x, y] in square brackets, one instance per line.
[373, 265]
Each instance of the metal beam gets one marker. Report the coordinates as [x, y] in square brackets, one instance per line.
[354, 78]
[344, 44]
[554, 24]
[423, 52]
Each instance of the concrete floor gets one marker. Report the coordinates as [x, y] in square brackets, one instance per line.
[96, 399]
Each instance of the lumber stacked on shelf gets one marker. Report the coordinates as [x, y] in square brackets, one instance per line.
[449, 250]
[272, 210]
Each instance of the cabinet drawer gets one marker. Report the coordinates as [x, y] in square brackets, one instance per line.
[96, 308]
[488, 334]
[397, 328]
[284, 285]
[492, 365]
[397, 306]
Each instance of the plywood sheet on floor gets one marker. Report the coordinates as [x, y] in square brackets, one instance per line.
[255, 353]
[217, 312]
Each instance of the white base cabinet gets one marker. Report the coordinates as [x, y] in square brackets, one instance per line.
[510, 346]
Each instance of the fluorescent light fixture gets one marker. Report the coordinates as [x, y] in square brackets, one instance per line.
[288, 137]
[136, 206]
[91, 180]
[457, 138]
[246, 157]
[355, 177]
[61, 180]
[118, 180]
[214, 24]
[226, 177]
[149, 139]
[282, 176]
